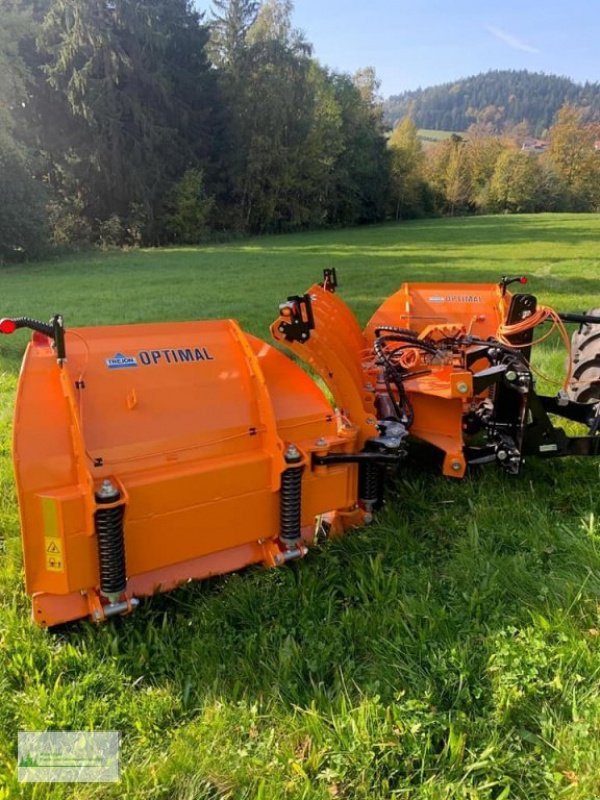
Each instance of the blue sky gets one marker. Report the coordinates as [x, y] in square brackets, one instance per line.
[413, 44]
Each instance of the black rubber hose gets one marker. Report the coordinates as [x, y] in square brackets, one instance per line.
[34, 325]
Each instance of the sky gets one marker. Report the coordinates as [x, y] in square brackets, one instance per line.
[414, 44]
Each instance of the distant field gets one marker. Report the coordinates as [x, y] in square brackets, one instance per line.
[451, 651]
[431, 137]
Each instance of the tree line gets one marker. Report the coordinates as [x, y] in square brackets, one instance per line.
[127, 122]
[484, 172]
[503, 98]
[130, 122]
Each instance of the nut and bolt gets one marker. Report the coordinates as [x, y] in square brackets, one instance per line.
[292, 453]
[463, 388]
[107, 489]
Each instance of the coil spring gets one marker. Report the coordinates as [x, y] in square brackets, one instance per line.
[369, 483]
[111, 549]
[291, 505]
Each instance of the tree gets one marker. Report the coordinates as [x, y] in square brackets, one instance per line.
[273, 23]
[139, 93]
[188, 209]
[230, 22]
[23, 216]
[516, 182]
[368, 85]
[278, 123]
[457, 178]
[406, 165]
[450, 173]
[573, 155]
[484, 150]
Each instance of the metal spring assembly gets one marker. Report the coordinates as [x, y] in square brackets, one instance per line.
[369, 478]
[111, 543]
[291, 499]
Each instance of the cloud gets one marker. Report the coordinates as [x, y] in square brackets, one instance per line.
[510, 40]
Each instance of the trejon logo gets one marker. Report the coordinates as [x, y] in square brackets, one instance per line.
[120, 361]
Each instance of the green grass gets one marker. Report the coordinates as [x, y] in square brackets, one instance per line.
[450, 651]
[430, 137]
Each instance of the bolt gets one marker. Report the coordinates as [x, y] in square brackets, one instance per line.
[371, 421]
[369, 387]
[292, 453]
[368, 519]
[456, 466]
[107, 489]
[502, 455]
[462, 388]
[322, 442]
[511, 375]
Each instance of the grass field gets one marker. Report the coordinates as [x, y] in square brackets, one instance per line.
[430, 137]
[450, 651]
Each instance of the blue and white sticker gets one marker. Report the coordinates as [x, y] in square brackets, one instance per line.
[120, 361]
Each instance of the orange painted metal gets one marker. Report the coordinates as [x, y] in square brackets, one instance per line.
[335, 351]
[190, 421]
[477, 307]
[342, 355]
[441, 399]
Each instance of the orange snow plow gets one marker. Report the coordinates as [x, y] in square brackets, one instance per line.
[150, 455]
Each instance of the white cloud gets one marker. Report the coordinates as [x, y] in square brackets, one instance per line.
[510, 40]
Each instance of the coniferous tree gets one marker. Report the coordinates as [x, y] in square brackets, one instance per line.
[133, 77]
[230, 22]
[23, 216]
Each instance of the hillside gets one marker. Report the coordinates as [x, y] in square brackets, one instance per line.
[502, 97]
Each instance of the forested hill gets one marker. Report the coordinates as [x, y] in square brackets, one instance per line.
[503, 97]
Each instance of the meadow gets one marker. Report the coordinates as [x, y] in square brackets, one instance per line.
[429, 137]
[450, 651]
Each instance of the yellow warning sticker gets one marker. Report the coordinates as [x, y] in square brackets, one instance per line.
[54, 556]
